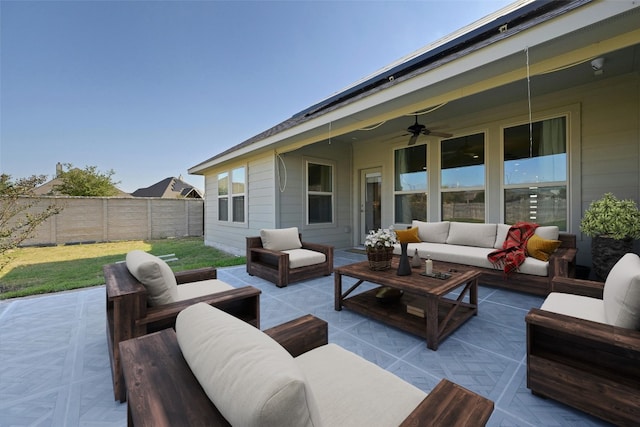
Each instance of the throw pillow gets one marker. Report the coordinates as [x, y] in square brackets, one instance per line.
[540, 248]
[408, 236]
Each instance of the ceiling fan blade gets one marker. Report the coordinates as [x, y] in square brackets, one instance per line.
[413, 139]
[441, 134]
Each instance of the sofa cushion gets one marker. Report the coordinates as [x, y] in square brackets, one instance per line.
[280, 239]
[621, 293]
[501, 235]
[579, 306]
[155, 275]
[201, 288]
[304, 257]
[351, 391]
[409, 235]
[432, 232]
[470, 255]
[472, 234]
[541, 248]
[250, 378]
[549, 232]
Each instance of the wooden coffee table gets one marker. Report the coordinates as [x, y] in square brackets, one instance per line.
[425, 309]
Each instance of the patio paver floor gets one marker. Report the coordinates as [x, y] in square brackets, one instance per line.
[55, 367]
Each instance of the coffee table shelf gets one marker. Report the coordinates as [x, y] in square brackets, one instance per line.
[430, 296]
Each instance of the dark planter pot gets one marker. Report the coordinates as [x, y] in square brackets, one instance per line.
[605, 252]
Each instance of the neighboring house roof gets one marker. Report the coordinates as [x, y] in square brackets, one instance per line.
[485, 55]
[169, 188]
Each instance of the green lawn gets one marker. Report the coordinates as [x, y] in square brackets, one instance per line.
[32, 271]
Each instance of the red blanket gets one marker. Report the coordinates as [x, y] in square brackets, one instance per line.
[514, 248]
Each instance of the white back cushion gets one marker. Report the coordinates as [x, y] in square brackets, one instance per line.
[549, 232]
[156, 276]
[432, 232]
[501, 235]
[621, 295]
[250, 378]
[280, 239]
[470, 234]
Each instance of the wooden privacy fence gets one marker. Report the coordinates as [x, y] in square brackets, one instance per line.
[103, 219]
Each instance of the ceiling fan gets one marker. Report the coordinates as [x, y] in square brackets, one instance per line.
[416, 129]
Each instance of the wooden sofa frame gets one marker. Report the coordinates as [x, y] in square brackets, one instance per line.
[591, 366]
[561, 264]
[274, 265]
[128, 315]
[162, 390]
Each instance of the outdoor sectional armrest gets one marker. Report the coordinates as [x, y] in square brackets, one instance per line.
[300, 335]
[562, 262]
[263, 254]
[571, 329]
[196, 275]
[164, 316]
[569, 285]
[451, 405]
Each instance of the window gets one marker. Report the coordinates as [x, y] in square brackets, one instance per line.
[319, 193]
[535, 173]
[231, 195]
[410, 184]
[463, 179]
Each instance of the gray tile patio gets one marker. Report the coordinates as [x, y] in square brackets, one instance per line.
[54, 367]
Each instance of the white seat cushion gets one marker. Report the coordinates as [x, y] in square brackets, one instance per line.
[280, 239]
[155, 275]
[351, 391]
[201, 288]
[579, 306]
[621, 294]
[470, 255]
[250, 378]
[304, 257]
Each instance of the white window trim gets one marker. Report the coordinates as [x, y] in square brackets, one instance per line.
[307, 193]
[230, 195]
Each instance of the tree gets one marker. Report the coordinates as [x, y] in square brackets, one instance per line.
[20, 212]
[88, 182]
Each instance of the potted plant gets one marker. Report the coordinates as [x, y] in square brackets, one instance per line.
[613, 225]
[379, 246]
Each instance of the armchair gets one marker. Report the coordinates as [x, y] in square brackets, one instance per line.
[280, 256]
[143, 295]
[583, 347]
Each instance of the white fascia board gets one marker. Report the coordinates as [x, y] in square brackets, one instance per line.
[324, 126]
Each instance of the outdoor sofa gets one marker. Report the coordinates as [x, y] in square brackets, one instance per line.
[144, 295]
[217, 370]
[461, 245]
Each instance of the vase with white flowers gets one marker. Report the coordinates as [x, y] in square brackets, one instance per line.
[379, 245]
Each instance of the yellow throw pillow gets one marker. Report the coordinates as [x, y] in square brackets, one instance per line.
[408, 236]
[540, 248]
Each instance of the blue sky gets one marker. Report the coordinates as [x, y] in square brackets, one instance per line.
[149, 89]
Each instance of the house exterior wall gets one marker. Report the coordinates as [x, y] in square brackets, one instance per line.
[276, 198]
[603, 148]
